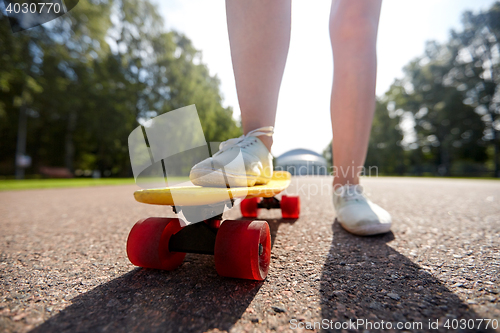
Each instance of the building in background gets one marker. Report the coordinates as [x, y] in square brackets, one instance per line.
[301, 162]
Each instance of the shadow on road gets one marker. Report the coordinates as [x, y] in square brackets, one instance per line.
[147, 300]
[364, 278]
[192, 298]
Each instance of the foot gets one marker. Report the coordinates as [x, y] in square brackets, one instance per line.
[359, 215]
[228, 168]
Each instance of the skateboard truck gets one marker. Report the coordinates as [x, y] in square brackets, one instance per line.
[195, 238]
[194, 214]
[200, 237]
[269, 203]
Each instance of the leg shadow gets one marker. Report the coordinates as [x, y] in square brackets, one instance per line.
[363, 278]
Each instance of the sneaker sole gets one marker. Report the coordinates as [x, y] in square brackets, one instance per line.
[369, 230]
[215, 178]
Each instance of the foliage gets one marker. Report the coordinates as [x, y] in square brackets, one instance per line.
[86, 79]
[447, 106]
[384, 148]
[447, 129]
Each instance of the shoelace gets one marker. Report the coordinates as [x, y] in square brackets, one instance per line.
[267, 131]
[350, 192]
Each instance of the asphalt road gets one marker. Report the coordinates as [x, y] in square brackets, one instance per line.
[63, 265]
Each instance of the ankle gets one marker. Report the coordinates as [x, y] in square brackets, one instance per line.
[342, 181]
[267, 141]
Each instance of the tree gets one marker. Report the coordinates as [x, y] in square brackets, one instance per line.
[476, 70]
[384, 149]
[448, 130]
[449, 104]
[86, 81]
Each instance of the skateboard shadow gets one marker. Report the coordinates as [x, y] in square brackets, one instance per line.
[192, 298]
[364, 278]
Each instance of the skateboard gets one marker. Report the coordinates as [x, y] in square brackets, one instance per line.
[241, 248]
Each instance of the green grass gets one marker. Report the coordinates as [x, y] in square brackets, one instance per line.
[26, 184]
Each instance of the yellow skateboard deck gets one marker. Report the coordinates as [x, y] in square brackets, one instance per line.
[197, 195]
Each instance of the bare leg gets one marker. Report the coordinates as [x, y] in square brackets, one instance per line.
[353, 33]
[259, 36]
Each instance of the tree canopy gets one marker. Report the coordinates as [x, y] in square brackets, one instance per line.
[87, 79]
[443, 117]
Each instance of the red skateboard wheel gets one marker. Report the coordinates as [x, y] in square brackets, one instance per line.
[243, 249]
[147, 244]
[290, 207]
[249, 207]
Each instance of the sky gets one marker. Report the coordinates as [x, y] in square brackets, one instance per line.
[303, 118]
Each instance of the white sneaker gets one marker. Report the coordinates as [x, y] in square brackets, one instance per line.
[227, 168]
[359, 215]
